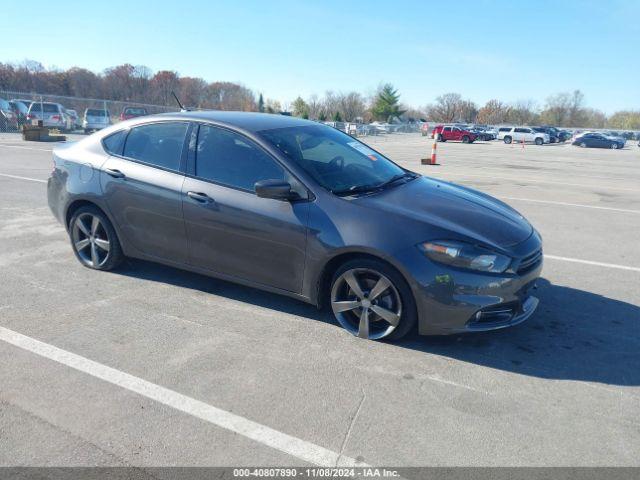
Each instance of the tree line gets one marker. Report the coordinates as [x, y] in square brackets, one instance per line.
[566, 109]
[138, 83]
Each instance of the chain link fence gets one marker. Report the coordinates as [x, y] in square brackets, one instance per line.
[63, 112]
[68, 114]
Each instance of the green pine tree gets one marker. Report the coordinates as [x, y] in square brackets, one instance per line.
[337, 117]
[261, 103]
[386, 105]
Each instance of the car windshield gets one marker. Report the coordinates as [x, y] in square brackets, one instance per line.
[135, 111]
[48, 107]
[335, 160]
[20, 106]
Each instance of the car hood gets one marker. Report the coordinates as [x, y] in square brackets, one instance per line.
[454, 208]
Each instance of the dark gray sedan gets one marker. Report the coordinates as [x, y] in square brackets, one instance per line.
[300, 209]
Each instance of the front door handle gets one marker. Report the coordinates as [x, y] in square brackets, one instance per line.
[200, 197]
[114, 173]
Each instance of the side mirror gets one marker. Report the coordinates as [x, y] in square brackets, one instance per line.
[275, 189]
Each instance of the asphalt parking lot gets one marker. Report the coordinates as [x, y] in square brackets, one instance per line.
[223, 375]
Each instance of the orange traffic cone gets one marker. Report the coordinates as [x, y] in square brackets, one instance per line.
[431, 160]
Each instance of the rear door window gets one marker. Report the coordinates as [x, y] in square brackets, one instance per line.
[157, 144]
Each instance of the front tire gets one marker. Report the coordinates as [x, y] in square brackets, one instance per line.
[372, 300]
[539, 141]
[507, 140]
[583, 145]
[614, 146]
[94, 240]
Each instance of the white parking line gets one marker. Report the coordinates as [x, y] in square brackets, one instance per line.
[532, 180]
[589, 262]
[22, 178]
[570, 204]
[26, 148]
[275, 439]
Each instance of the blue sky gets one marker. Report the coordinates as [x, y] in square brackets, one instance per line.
[510, 50]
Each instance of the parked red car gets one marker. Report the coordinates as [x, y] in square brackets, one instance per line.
[133, 112]
[451, 132]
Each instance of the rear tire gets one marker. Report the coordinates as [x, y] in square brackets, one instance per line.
[94, 240]
[507, 140]
[373, 289]
[466, 139]
[614, 146]
[583, 145]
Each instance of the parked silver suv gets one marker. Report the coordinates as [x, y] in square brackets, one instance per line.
[95, 119]
[52, 115]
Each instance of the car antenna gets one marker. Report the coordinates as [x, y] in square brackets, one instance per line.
[182, 109]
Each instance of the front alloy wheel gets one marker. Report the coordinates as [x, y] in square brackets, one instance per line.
[366, 303]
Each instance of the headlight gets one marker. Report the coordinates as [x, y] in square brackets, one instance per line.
[464, 255]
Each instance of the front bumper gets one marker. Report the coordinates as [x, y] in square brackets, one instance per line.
[453, 301]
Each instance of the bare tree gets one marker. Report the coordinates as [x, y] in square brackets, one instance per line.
[493, 112]
[162, 84]
[523, 112]
[314, 106]
[445, 108]
[351, 106]
[230, 96]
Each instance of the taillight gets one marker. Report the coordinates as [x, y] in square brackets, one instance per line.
[31, 116]
[55, 117]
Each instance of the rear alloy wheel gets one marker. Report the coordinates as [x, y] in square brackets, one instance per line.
[507, 139]
[539, 141]
[370, 300]
[94, 240]
[465, 139]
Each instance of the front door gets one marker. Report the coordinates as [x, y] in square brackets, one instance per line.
[231, 230]
[143, 190]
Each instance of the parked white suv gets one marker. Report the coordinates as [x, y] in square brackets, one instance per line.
[520, 134]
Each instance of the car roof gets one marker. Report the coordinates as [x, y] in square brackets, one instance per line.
[249, 121]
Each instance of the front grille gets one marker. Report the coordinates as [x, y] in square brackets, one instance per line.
[530, 262]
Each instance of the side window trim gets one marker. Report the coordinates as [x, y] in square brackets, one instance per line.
[183, 155]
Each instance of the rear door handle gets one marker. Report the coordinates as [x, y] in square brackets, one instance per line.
[200, 197]
[114, 173]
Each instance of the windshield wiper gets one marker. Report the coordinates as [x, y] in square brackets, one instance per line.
[395, 178]
[375, 187]
[355, 189]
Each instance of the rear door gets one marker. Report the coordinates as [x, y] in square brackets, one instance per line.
[456, 133]
[231, 230]
[143, 189]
